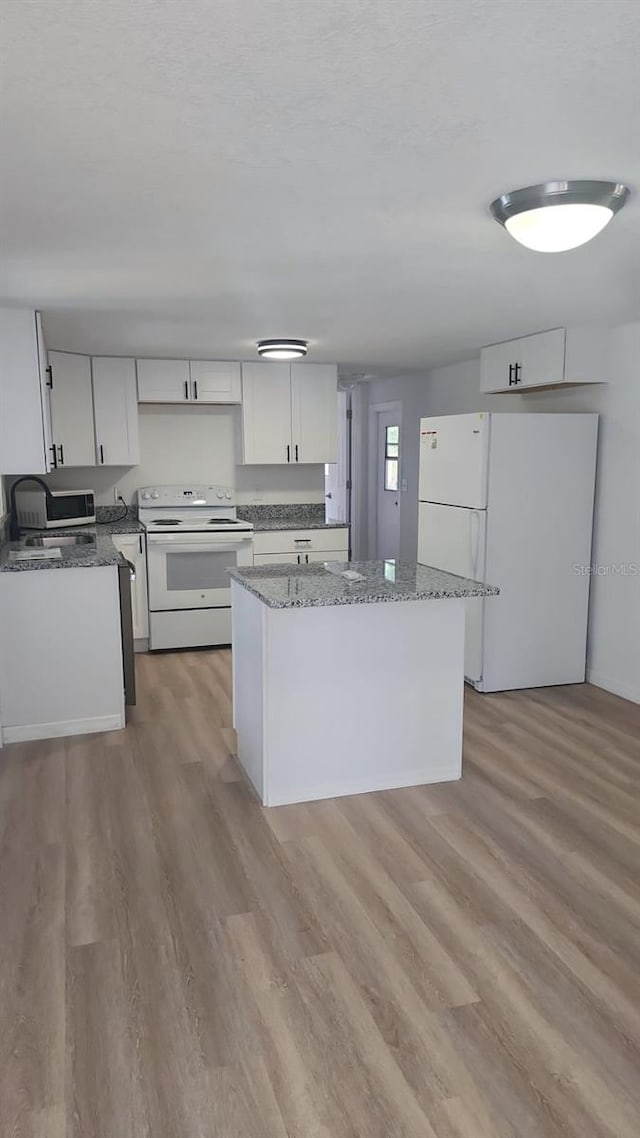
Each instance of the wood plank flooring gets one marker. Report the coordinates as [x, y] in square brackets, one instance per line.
[458, 961]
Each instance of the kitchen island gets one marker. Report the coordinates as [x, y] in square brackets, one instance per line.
[346, 686]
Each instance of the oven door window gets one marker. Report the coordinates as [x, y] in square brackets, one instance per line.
[199, 571]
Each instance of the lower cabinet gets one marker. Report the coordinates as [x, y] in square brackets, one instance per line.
[132, 547]
[300, 547]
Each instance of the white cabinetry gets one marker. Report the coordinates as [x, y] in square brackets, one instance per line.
[188, 381]
[116, 411]
[314, 412]
[72, 409]
[300, 547]
[215, 382]
[289, 413]
[266, 413]
[132, 547]
[25, 417]
[163, 381]
[562, 357]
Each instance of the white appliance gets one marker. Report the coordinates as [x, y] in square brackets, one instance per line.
[64, 508]
[193, 537]
[508, 499]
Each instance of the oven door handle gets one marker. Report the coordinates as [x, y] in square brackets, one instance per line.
[196, 546]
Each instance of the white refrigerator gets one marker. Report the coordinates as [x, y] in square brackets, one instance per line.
[508, 499]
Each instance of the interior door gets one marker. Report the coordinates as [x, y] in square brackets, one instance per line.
[266, 413]
[387, 485]
[454, 452]
[336, 474]
[454, 539]
[72, 409]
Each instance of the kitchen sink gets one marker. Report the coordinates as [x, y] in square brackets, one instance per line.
[41, 542]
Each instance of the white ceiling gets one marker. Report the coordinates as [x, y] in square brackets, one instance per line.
[186, 176]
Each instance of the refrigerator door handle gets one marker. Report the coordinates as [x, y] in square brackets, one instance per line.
[474, 536]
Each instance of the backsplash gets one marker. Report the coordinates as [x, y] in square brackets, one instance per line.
[108, 514]
[303, 511]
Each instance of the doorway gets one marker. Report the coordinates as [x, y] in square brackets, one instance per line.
[385, 426]
[337, 475]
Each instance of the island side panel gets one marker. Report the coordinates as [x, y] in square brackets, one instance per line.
[247, 616]
[362, 698]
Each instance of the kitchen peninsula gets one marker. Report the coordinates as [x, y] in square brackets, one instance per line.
[342, 686]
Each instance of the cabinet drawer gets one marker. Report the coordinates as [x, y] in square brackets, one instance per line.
[301, 541]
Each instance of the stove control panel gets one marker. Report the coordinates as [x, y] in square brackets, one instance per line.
[186, 495]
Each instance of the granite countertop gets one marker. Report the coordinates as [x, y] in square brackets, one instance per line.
[101, 552]
[308, 586]
[309, 515]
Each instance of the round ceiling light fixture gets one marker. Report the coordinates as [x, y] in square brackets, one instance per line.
[556, 216]
[284, 349]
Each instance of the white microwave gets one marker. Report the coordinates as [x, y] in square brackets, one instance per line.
[64, 508]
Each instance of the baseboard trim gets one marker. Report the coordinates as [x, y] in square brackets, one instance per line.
[31, 731]
[617, 687]
[362, 786]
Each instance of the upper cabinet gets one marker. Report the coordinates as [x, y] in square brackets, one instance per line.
[563, 357]
[71, 409]
[314, 412]
[215, 382]
[115, 411]
[266, 413]
[163, 381]
[289, 413]
[188, 381]
[25, 417]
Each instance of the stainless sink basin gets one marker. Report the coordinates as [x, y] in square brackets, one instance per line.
[41, 542]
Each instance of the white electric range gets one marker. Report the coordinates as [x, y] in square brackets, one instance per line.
[193, 537]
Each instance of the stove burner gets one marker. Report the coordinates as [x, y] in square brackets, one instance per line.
[167, 522]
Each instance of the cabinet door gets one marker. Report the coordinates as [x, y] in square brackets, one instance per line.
[278, 558]
[23, 395]
[543, 359]
[314, 412]
[72, 409]
[115, 407]
[132, 547]
[163, 381]
[215, 382]
[327, 555]
[266, 413]
[498, 366]
[45, 397]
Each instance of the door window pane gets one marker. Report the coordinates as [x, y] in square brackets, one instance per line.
[391, 457]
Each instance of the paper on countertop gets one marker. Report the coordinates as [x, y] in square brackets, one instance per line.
[34, 554]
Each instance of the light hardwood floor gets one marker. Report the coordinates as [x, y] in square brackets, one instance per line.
[458, 961]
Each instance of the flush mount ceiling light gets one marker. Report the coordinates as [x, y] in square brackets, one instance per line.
[556, 216]
[282, 349]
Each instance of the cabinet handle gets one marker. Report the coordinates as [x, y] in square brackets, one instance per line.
[101, 454]
[53, 457]
[518, 368]
[61, 455]
[288, 453]
[186, 389]
[140, 542]
[306, 557]
[296, 452]
[49, 372]
[510, 375]
[298, 559]
[195, 389]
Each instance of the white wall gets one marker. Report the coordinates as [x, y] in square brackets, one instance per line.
[614, 626]
[197, 444]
